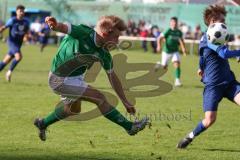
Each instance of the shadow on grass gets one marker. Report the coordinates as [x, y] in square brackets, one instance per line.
[221, 150]
[61, 156]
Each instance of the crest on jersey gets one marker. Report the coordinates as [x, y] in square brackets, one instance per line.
[21, 27]
[86, 46]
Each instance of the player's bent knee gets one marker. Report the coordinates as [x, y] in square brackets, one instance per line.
[18, 57]
[237, 99]
[209, 121]
[176, 64]
[99, 99]
[75, 108]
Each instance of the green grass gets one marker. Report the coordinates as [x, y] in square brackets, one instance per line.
[28, 96]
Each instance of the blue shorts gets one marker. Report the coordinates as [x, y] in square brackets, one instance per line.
[212, 95]
[13, 48]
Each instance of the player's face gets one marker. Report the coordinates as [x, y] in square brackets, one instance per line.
[112, 36]
[173, 23]
[20, 13]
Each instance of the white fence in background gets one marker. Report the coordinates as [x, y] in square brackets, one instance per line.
[234, 44]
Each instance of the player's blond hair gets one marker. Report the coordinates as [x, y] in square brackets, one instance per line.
[107, 24]
[213, 11]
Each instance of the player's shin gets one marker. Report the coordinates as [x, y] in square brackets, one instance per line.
[57, 115]
[177, 73]
[198, 130]
[2, 65]
[115, 116]
[14, 64]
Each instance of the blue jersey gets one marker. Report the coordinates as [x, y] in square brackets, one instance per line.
[17, 30]
[214, 65]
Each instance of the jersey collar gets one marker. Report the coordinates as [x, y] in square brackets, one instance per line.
[94, 39]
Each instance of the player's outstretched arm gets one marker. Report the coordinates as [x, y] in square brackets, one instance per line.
[117, 86]
[201, 64]
[57, 26]
[7, 25]
[183, 47]
[2, 28]
[159, 41]
[223, 51]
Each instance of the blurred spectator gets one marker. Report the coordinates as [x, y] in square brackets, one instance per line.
[132, 29]
[35, 28]
[143, 34]
[197, 33]
[43, 36]
[155, 32]
[185, 29]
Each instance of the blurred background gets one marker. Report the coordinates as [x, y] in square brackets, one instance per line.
[146, 19]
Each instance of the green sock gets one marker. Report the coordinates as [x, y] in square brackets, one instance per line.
[116, 117]
[177, 72]
[55, 116]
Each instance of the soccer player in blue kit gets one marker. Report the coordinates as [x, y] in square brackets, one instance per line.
[216, 74]
[43, 36]
[18, 27]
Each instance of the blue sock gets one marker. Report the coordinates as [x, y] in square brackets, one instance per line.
[13, 65]
[2, 65]
[199, 129]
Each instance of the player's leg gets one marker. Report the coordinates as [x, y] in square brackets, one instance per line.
[43, 43]
[176, 64]
[164, 61]
[233, 92]
[61, 112]
[211, 97]
[42, 46]
[5, 61]
[16, 60]
[209, 119]
[110, 112]
[237, 99]
[70, 89]
[93, 95]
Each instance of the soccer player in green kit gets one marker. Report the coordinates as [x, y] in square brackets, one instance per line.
[173, 38]
[89, 46]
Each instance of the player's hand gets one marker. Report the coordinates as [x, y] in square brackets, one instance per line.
[200, 72]
[158, 49]
[51, 22]
[130, 108]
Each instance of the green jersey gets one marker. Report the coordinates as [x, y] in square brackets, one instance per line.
[78, 52]
[172, 38]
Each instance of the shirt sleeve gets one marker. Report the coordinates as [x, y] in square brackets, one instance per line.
[9, 23]
[107, 62]
[180, 34]
[75, 31]
[223, 51]
[166, 33]
[201, 63]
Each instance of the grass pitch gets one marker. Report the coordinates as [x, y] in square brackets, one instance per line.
[28, 96]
